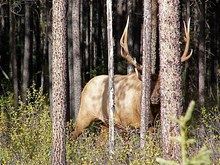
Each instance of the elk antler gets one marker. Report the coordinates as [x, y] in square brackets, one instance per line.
[187, 40]
[126, 55]
[124, 48]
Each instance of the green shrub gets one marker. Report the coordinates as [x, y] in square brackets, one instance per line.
[204, 127]
[29, 130]
[87, 149]
[202, 157]
[26, 137]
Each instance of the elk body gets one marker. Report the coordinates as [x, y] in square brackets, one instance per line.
[94, 102]
[94, 97]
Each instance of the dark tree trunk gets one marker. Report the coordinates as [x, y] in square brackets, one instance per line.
[76, 79]
[12, 46]
[44, 45]
[50, 52]
[170, 74]
[214, 63]
[70, 85]
[27, 50]
[91, 57]
[130, 68]
[217, 70]
[38, 71]
[201, 51]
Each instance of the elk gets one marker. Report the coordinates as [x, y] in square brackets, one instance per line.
[94, 97]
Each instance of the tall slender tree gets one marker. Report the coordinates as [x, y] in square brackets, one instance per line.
[130, 68]
[201, 50]
[59, 75]
[111, 106]
[12, 46]
[70, 86]
[145, 99]
[170, 73]
[27, 50]
[76, 79]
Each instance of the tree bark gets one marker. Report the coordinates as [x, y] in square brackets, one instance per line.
[111, 106]
[154, 26]
[130, 68]
[170, 74]
[76, 81]
[44, 42]
[91, 38]
[146, 73]
[27, 47]
[201, 51]
[70, 86]
[217, 71]
[12, 45]
[59, 76]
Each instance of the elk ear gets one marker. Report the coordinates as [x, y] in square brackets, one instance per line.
[138, 74]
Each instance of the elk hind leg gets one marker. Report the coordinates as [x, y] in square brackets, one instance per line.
[82, 122]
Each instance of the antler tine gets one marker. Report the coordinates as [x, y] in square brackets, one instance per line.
[124, 40]
[187, 40]
[124, 48]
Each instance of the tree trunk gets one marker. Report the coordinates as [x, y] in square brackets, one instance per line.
[37, 47]
[111, 106]
[2, 17]
[70, 78]
[170, 74]
[146, 73]
[217, 71]
[91, 39]
[201, 51]
[44, 42]
[85, 33]
[12, 46]
[76, 85]
[154, 40]
[130, 68]
[27, 47]
[50, 54]
[59, 75]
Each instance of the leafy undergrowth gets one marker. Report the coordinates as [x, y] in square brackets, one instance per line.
[205, 128]
[26, 137]
[89, 149]
[26, 131]
[201, 158]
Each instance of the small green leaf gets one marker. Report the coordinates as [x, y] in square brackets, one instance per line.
[203, 157]
[174, 119]
[190, 141]
[189, 111]
[176, 139]
[165, 162]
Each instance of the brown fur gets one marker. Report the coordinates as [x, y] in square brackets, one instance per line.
[94, 102]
